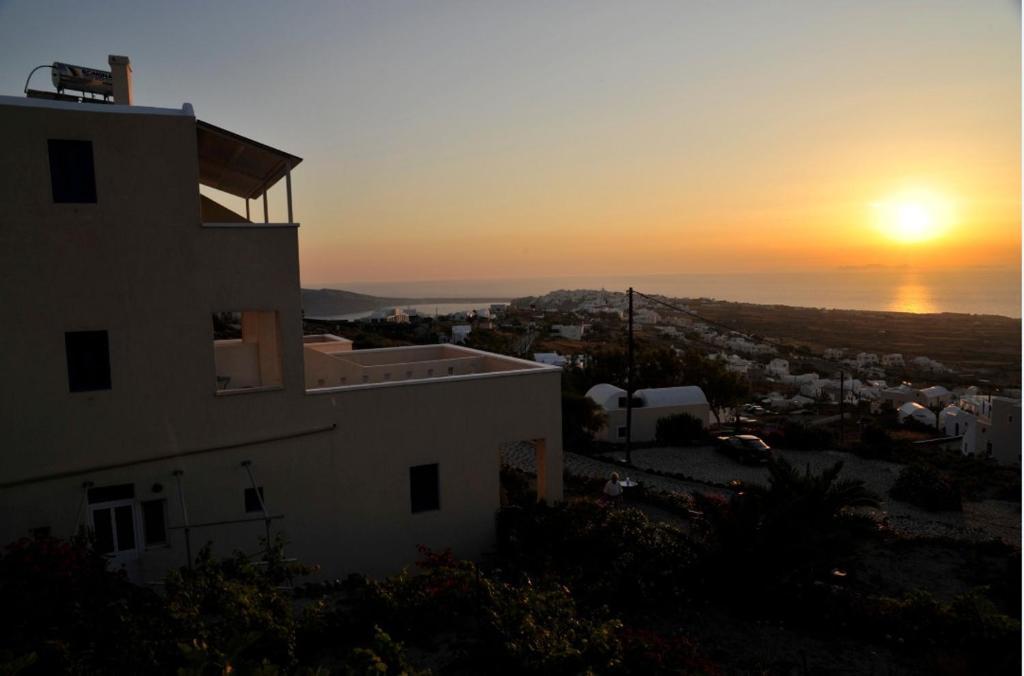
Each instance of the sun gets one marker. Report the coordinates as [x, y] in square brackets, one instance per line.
[912, 218]
[913, 223]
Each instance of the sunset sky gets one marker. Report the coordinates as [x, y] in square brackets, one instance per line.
[518, 139]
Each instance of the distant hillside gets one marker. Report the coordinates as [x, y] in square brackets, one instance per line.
[334, 302]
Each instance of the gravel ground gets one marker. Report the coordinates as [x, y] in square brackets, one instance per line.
[979, 521]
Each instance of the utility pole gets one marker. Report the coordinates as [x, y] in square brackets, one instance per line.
[842, 407]
[629, 384]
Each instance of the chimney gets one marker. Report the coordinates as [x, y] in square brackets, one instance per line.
[121, 72]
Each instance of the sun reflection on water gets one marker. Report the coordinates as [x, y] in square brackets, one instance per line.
[912, 296]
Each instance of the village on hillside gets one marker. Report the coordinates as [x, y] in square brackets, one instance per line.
[924, 400]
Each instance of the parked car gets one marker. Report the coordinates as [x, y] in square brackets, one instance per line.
[745, 448]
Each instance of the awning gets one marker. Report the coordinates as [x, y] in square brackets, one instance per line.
[238, 165]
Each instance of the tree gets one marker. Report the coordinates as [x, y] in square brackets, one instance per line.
[582, 419]
[722, 387]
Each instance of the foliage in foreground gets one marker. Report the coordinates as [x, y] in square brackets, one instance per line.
[573, 588]
[928, 488]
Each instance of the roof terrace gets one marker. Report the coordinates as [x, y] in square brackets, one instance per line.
[326, 370]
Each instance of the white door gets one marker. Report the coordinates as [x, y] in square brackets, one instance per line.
[116, 526]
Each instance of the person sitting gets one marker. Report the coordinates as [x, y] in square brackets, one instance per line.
[612, 490]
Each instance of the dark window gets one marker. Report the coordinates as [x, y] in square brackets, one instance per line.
[252, 501]
[72, 176]
[622, 433]
[40, 532]
[88, 355]
[154, 525]
[111, 493]
[424, 488]
[125, 522]
[104, 531]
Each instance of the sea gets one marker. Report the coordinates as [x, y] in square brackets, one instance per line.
[980, 290]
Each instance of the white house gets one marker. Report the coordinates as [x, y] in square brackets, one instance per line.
[569, 331]
[649, 406]
[934, 396]
[460, 332]
[550, 358]
[866, 359]
[916, 411]
[955, 421]
[892, 360]
[646, 316]
[834, 353]
[778, 367]
[899, 395]
[167, 397]
[996, 433]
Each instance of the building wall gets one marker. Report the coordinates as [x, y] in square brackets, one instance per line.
[645, 421]
[141, 265]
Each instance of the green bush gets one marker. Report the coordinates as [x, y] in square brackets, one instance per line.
[681, 429]
[613, 557]
[928, 488]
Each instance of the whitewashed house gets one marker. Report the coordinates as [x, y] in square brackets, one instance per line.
[649, 406]
[569, 331]
[460, 332]
[892, 360]
[550, 358]
[934, 396]
[915, 411]
[778, 367]
[168, 397]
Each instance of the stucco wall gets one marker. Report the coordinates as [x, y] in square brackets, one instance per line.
[140, 265]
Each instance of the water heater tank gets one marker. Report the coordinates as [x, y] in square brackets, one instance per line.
[82, 79]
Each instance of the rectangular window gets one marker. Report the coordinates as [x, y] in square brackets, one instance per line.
[111, 493]
[114, 528]
[252, 501]
[246, 350]
[424, 488]
[72, 177]
[88, 357]
[622, 432]
[154, 523]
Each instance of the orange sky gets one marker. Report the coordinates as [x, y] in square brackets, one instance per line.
[509, 140]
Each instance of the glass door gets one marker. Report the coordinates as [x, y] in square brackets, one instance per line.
[117, 530]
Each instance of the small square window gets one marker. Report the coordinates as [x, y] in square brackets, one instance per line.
[252, 501]
[424, 488]
[88, 357]
[72, 177]
[154, 522]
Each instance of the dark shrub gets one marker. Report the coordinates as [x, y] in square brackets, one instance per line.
[679, 430]
[928, 488]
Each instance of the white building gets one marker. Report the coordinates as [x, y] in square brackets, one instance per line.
[550, 358]
[646, 316]
[916, 411]
[892, 360]
[834, 353]
[995, 431]
[778, 367]
[649, 406]
[569, 331]
[934, 396]
[460, 332]
[121, 412]
[866, 359]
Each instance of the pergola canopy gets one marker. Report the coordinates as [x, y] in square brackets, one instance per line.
[238, 165]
